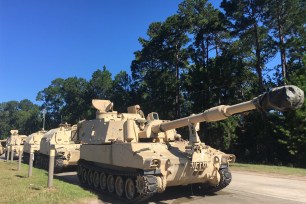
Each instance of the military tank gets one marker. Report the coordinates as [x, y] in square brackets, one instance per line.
[32, 141]
[67, 148]
[16, 141]
[2, 146]
[134, 158]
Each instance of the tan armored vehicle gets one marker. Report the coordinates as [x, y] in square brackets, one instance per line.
[67, 151]
[16, 141]
[133, 157]
[32, 141]
[2, 146]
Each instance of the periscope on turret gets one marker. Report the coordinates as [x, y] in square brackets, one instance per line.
[135, 157]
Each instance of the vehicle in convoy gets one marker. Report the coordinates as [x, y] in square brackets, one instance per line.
[66, 145]
[133, 157]
[13, 143]
[2, 146]
[32, 141]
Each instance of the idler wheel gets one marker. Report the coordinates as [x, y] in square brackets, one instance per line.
[119, 186]
[96, 179]
[140, 184]
[84, 175]
[103, 182]
[89, 177]
[110, 183]
[130, 189]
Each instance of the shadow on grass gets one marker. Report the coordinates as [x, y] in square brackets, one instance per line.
[19, 176]
[37, 188]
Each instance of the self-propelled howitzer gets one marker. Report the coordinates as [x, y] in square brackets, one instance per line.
[134, 157]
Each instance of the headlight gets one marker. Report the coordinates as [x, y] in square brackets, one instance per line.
[154, 163]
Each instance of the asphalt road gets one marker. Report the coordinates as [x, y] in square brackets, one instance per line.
[245, 188]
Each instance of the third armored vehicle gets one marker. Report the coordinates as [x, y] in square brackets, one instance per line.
[133, 157]
[14, 141]
[2, 146]
[32, 141]
[67, 149]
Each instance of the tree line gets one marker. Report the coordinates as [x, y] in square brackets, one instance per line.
[198, 58]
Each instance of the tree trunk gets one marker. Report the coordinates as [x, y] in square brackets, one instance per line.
[258, 59]
[177, 98]
[282, 46]
[203, 52]
[207, 49]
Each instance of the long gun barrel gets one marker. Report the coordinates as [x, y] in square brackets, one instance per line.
[281, 98]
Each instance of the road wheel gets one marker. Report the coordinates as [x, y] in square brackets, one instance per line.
[119, 186]
[89, 177]
[103, 182]
[110, 183]
[84, 176]
[130, 189]
[96, 179]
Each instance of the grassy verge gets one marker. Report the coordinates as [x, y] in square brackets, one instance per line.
[16, 187]
[281, 170]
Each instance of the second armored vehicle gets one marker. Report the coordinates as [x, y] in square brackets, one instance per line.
[32, 141]
[67, 149]
[133, 157]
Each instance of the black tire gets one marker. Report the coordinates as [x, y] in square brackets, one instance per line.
[58, 165]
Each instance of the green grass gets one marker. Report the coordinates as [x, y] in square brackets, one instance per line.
[281, 170]
[16, 187]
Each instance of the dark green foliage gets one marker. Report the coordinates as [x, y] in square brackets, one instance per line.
[286, 21]
[75, 94]
[157, 68]
[53, 102]
[100, 84]
[121, 91]
[23, 116]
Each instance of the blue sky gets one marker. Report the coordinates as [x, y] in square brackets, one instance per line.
[44, 40]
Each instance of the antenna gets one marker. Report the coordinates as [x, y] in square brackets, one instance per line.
[44, 111]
